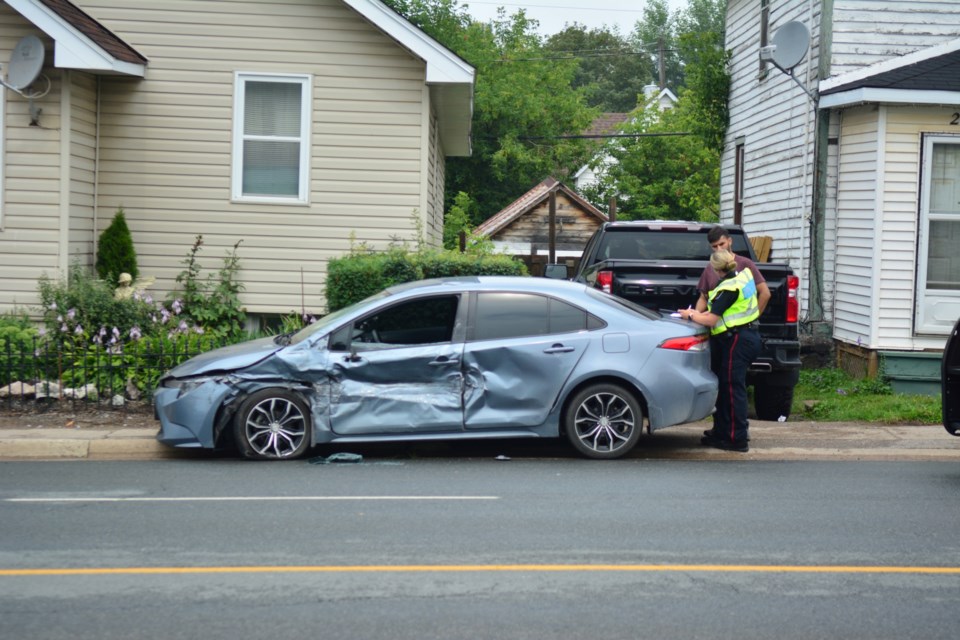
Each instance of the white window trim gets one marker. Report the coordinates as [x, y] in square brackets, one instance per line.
[925, 321]
[306, 109]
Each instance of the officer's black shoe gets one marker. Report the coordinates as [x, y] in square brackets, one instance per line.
[727, 445]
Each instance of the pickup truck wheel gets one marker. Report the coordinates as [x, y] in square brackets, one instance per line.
[773, 397]
[603, 421]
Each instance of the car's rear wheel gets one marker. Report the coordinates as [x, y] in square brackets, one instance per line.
[272, 424]
[603, 421]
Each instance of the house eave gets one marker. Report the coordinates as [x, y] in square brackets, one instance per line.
[73, 49]
[869, 95]
[450, 78]
[858, 75]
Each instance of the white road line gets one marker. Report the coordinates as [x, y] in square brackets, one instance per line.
[251, 499]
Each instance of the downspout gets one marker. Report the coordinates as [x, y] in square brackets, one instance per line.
[96, 171]
[821, 157]
[66, 126]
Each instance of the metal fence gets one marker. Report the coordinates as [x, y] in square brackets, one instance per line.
[40, 371]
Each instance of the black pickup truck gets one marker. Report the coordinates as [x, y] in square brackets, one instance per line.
[658, 263]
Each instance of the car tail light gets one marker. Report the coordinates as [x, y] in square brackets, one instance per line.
[793, 299]
[686, 343]
[605, 281]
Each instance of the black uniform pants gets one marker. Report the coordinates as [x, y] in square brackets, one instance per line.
[731, 353]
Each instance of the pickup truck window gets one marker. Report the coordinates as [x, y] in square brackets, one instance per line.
[661, 245]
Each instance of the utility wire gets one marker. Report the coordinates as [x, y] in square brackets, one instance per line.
[598, 136]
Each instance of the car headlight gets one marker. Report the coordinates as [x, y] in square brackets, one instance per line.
[183, 385]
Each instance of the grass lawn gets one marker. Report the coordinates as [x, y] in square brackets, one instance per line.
[830, 395]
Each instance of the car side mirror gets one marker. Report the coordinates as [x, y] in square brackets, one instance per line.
[555, 271]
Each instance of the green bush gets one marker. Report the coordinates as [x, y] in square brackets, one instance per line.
[361, 274]
[17, 337]
[212, 303]
[82, 306]
[115, 252]
[91, 337]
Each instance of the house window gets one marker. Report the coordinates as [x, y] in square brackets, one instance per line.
[764, 33]
[738, 184]
[938, 273]
[271, 138]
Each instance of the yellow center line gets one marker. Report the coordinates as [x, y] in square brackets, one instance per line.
[481, 568]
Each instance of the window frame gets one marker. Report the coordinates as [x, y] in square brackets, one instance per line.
[764, 36]
[740, 156]
[241, 78]
[924, 321]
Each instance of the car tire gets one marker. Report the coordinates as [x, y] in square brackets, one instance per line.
[603, 421]
[773, 396]
[272, 424]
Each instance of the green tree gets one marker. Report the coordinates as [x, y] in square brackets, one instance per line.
[115, 252]
[610, 72]
[662, 175]
[524, 103]
[656, 35]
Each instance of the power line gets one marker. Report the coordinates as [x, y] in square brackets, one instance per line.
[599, 136]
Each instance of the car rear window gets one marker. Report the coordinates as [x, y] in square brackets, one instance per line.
[664, 244]
[623, 305]
[513, 315]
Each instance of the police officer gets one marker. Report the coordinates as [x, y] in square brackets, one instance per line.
[732, 313]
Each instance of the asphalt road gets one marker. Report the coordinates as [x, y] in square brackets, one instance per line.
[453, 547]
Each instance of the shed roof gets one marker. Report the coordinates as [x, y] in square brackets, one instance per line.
[532, 199]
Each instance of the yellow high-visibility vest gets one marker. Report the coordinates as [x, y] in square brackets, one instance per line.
[745, 310]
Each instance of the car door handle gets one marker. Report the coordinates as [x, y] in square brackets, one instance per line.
[442, 360]
[559, 348]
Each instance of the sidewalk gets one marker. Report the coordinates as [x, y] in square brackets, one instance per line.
[769, 441]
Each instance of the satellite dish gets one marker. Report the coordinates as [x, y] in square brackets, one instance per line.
[790, 44]
[25, 63]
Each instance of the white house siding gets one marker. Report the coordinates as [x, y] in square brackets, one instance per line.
[901, 206]
[877, 226]
[166, 139]
[775, 119]
[862, 38]
[435, 182]
[83, 139]
[858, 197]
[30, 211]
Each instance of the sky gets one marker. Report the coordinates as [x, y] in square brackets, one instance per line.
[553, 14]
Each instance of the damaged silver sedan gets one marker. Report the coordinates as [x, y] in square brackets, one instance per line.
[457, 358]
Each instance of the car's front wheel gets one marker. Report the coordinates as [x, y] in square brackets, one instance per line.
[603, 421]
[272, 424]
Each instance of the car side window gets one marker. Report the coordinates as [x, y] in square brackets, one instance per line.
[428, 320]
[514, 315]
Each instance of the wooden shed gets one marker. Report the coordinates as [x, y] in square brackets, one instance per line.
[523, 227]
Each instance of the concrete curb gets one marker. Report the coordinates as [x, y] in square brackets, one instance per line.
[769, 441]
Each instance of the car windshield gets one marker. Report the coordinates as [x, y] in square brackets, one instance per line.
[331, 319]
[622, 304]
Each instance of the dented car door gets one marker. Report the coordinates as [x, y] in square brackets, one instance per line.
[398, 370]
